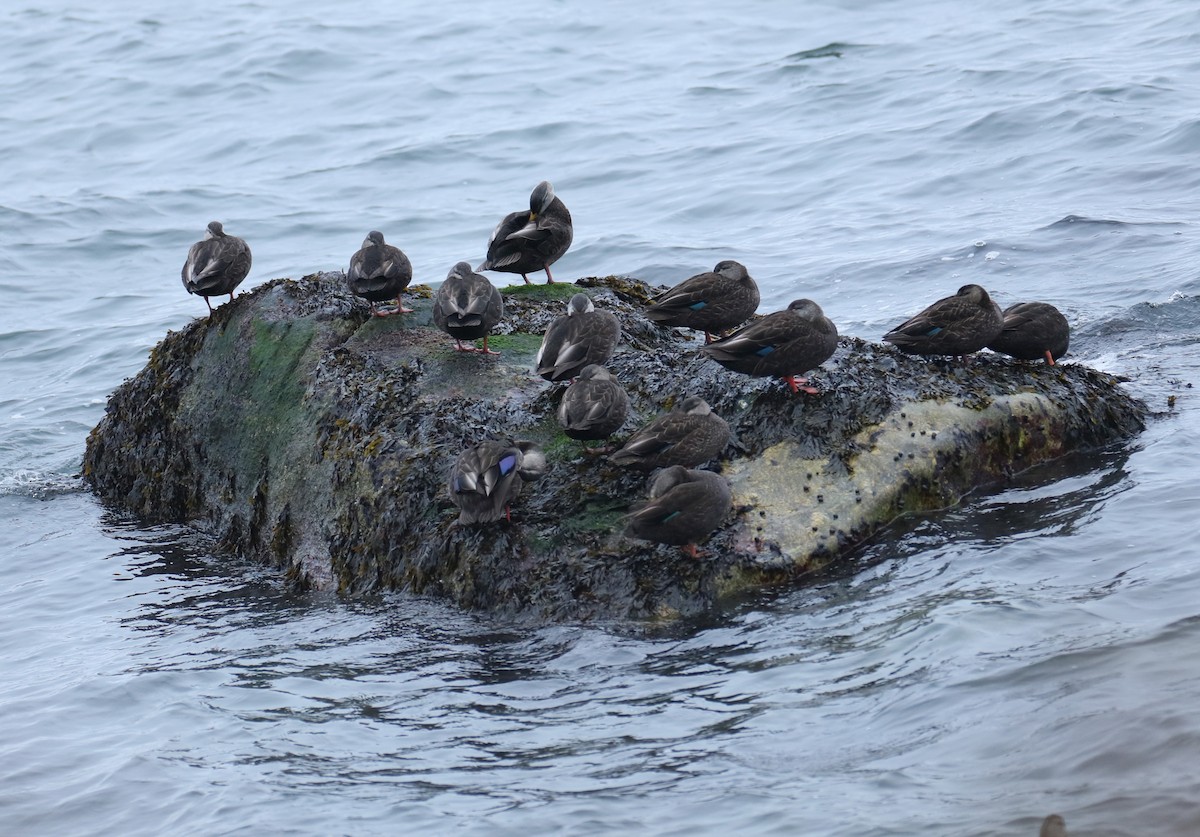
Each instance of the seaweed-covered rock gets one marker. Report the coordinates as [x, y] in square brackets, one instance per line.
[298, 430]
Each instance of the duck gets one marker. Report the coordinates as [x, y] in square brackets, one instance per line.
[467, 306]
[783, 344]
[488, 476]
[526, 241]
[581, 337]
[712, 302]
[689, 435]
[684, 506]
[379, 272]
[1031, 331]
[955, 325]
[216, 264]
[1054, 825]
[594, 406]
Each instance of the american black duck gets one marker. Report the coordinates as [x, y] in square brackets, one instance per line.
[1053, 825]
[467, 306]
[581, 337]
[216, 264]
[1033, 330]
[533, 239]
[784, 344]
[712, 302]
[689, 435]
[594, 406]
[956, 325]
[379, 272]
[684, 506]
[487, 477]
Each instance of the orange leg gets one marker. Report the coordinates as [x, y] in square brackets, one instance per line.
[549, 278]
[795, 383]
[399, 309]
[1049, 358]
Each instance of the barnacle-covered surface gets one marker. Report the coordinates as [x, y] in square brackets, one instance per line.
[298, 430]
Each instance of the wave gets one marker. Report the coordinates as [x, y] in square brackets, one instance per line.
[39, 485]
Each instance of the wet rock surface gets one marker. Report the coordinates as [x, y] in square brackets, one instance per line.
[298, 430]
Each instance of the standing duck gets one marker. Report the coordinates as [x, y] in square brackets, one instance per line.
[379, 272]
[582, 337]
[487, 477]
[216, 265]
[689, 435]
[595, 406]
[527, 241]
[1033, 330]
[712, 302]
[467, 306]
[684, 506]
[784, 344]
[956, 325]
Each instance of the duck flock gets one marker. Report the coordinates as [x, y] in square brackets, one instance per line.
[685, 504]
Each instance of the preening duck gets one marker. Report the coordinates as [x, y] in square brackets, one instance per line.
[488, 476]
[525, 241]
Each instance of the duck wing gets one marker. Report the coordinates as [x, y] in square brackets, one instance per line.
[501, 251]
[572, 343]
[593, 407]
[685, 512]
[216, 265]
[689, 296]
[945, 314]
[755, 341]
[653, 439]
[379, 271]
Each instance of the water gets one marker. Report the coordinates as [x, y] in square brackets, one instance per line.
[1031, 650]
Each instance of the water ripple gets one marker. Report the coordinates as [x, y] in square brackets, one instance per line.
[967, 672]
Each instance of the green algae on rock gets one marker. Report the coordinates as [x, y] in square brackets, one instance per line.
[298, 430]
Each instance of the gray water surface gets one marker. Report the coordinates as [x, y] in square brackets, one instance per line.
[1032, 650]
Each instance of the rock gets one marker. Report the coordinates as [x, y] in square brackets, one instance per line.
[298, 430]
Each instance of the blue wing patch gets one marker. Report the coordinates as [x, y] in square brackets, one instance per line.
[764, 351]
[696, 306]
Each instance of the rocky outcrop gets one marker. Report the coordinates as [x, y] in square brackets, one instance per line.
[298, 430]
